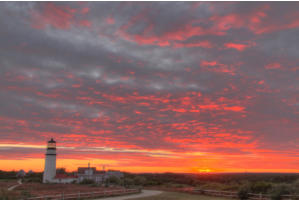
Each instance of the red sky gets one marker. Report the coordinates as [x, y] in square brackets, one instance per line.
[150, 86]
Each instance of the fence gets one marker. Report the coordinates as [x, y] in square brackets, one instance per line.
[85, 195]
[234, 195]
[216, 193]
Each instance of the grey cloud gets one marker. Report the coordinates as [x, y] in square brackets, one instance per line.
[101, 62]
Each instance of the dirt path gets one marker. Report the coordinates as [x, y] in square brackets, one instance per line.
[144, 193]
[14, 186]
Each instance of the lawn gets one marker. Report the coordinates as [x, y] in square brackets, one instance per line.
[179, 196]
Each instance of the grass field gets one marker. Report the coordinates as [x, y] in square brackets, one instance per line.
[179, 196]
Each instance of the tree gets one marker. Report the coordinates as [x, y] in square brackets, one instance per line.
[60, 170]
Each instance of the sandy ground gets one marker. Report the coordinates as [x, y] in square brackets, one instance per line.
[144, 193]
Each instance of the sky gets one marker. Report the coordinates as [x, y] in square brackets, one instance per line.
[189, 87]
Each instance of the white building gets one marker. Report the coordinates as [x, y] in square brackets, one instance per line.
[50, 162]
[90, 173]
[65, 178]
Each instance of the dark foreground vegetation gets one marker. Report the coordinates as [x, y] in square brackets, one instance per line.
[179, 196]
[273, 184]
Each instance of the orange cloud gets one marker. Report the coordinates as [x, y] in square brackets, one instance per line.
[208, 63]
[239, 47]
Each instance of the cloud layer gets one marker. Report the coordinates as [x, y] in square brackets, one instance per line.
[151, 86]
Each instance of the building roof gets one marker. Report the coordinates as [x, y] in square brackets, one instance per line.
[81, 170]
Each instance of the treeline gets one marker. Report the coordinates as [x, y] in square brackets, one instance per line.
[226, 181]
[8, 174]
[29, 177]
[228, 177]
[200, 179]
[274, 184]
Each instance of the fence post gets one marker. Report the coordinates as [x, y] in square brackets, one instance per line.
[260, 196]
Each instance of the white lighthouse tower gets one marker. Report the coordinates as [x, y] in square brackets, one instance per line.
[50, 162]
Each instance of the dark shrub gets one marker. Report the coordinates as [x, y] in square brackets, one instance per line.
[7, 195]
[25, 194]
[243, 192]
[61, 170]
[260, 187]
[139, 180]
[128, 181]
[113, 180]
[87, 181]
[280, 190]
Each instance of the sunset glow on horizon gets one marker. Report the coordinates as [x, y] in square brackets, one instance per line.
[187, 87]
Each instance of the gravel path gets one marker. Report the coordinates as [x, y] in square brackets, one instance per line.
[144, 193]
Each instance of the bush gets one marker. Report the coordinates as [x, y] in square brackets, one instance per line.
[32, 180]
[61, 170]
[151, 183]
[243, 192]
[280, 190]
[260, 187]
[139, 180]
[7, 195]
[128, 181]
[113, 180]
[94, 185]
[25, 194]
[212, 186]
[296, 186]
[87, 181]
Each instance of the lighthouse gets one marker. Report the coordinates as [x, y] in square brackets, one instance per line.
[50, 162]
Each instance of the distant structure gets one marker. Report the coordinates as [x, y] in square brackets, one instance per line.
[50, 162]
[84, 173]
[98, 176]
[21, 174]
[90, 173]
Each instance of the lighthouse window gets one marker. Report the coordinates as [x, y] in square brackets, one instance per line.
[51, 145]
